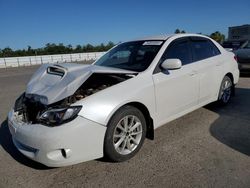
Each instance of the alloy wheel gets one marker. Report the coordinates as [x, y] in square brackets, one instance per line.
[127, 134]
[226, 90]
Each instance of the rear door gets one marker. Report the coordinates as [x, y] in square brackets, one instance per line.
[209, 64]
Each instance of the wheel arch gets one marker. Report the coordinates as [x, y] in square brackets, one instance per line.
[147, 116]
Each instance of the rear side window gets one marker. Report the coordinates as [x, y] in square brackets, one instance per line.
[215, 50]
[203, 48]
[178, 50]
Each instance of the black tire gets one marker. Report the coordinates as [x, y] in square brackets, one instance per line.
[225, 92]
[118, 120]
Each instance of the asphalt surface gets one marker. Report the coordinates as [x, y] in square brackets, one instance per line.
[209, 147]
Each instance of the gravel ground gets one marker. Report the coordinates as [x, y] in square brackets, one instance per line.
[209, 147]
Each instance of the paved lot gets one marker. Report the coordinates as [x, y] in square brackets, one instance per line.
[209, 147]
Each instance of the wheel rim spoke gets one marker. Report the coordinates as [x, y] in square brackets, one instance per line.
[119, 142]
[137, 124]
[120, 127]
[132, 121]
[125, 121]
[118, 135]
[135, 133]
[127, 134]
[124, 144]
[134, 141]
[226, 83]
[129, 145]
[225, 93]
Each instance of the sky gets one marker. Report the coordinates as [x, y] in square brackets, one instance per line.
[36, 23]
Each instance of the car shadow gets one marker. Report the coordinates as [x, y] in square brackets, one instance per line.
[232, 128]
[8, 146]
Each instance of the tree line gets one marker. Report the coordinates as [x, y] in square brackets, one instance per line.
[217, 36]
[52, 48]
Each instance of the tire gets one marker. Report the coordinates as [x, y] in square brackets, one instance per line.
[125, 134]
[226, 91]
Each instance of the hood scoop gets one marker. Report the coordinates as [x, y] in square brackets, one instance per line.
[56, 70]
[56, 82]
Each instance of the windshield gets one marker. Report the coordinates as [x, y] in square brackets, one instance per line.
[135, 56]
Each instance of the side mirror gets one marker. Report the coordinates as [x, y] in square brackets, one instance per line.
[171, 64]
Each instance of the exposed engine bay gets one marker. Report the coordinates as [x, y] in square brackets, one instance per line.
[95, 83]
[29, 108]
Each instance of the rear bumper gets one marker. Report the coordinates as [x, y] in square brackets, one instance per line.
[73, 142]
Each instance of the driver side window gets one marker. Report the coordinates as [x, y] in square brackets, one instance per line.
[178, 49]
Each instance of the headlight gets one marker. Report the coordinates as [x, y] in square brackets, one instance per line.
[58, 116]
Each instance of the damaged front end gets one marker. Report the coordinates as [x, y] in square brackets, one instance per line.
[45, 103]
[32, 111]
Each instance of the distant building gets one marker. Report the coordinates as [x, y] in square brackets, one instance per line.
[239, 33]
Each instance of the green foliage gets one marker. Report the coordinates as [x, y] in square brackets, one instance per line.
[52, 48]
[217, 36]
[8, 51]
[177, 31]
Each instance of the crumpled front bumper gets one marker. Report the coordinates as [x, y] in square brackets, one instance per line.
[76, 141]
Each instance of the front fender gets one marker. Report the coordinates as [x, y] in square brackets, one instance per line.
[100, 106]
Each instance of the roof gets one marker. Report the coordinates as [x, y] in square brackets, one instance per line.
[167, 36]
[157, 37]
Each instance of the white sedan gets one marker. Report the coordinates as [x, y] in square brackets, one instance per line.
[72, 113]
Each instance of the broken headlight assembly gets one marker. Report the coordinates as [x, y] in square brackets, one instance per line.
[58, 116]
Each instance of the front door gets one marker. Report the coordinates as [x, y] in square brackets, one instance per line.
[176, 91]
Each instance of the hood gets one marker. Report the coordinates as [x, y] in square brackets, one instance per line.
[56, 82]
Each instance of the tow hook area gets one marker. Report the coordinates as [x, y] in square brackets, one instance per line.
[59, 154]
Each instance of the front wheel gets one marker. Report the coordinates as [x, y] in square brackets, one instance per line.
[226, 90]
[125, 134]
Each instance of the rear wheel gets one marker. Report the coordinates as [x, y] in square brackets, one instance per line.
[125, 134]
[226, 90]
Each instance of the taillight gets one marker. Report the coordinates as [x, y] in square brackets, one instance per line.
[235, 58]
